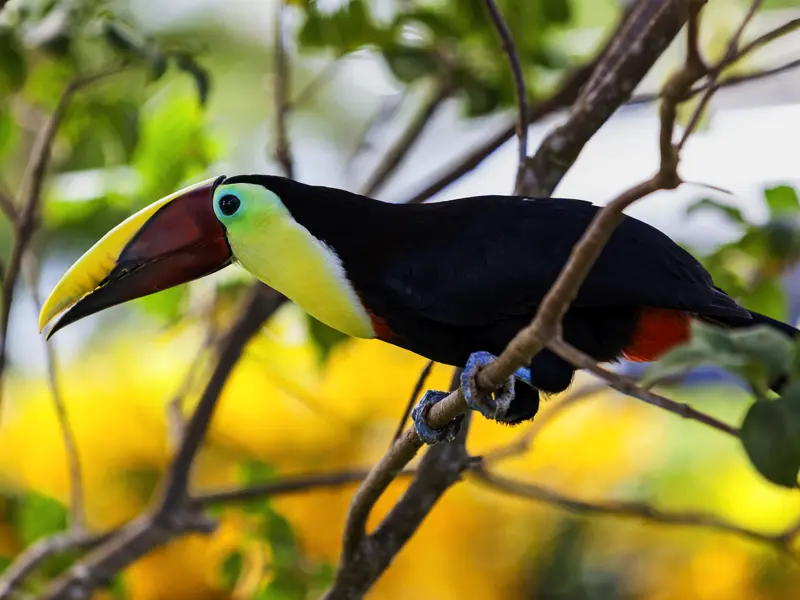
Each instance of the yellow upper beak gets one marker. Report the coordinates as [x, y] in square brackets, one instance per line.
[148, 237]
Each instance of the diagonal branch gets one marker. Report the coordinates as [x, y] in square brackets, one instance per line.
[31, 193]
[510, 49]
[282, 149]
[644, 35]
[637, 510]
[423, 377]
[175, 514]
[398, 152]
[76, 503]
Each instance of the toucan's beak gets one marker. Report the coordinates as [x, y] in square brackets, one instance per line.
[170, 242]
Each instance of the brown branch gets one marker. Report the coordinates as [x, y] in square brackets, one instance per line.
[423, 377]
[283, 151]
[35, 554]
[510, 49]
[645, 34]
[76, 503]
[730, 57]
[365, 557]
[628, 387]
[768, 37]
[285, 485]
[398, 152]
[175, 514]
[639, 510]
[30, 194]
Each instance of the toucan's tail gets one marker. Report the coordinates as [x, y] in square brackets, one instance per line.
[759, 319]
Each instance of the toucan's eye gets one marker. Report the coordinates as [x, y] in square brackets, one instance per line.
[229, 204]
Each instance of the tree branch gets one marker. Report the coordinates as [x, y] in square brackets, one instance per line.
[30, 194]
[645, 34]
[510, 49]
[639, 510]
[175, 513]
[76, 503]
[397, 153]
[365, 557]
[423, 377]
[282, 149]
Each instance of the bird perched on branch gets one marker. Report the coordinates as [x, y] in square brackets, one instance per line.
[452, 281]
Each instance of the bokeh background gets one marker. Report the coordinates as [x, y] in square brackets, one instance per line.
[198, 100]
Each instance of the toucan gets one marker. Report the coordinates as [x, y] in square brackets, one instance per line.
[451, 280]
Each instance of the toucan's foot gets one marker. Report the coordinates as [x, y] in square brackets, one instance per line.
[495, 405]
[426, 433]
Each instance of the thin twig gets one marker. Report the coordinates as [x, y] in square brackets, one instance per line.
[30, 194]
[510, 50]
[768, 37]
[398, 152]
[174, 514]
[76, 503]
[285, 485]
[522, 443]
[423, 377]
[643, 37]
[715, 72]
[315, 84]
[629, 388]
[640, 510]
[35, 554]
[282, 83]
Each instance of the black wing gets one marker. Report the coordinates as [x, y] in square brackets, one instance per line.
[473, 261]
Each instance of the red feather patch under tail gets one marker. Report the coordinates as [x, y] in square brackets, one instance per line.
[658, 331]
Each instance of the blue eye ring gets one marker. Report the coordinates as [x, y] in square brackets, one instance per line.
[229, 204]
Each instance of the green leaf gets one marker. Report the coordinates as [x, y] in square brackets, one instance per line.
[768, 297]
[782, 238]
[202, 80]
[14, 70]
[481, 97]
[770, 435]
[345, 30]
[408, 63]
[37, 516]
[781, 200]
[254, 472]
[759, 354]
[231, 570]
[5, 561]
[326, 338]
[732, 213]
[167, 305]
[557, 11]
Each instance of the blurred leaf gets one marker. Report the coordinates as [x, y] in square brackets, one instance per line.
[14, 70]
[324, 336]
[557, 11]
[166, 305]
[37, 516]
[6, 131]
[758, 354]
[782, 239]
[732, 213]
[481, 98]
[5, 561]
[768, 297]
[781, 200]
[770, 435]
[117, 588]
[231, 570]
[254, 472]
[123, 38]
[202, 79]
[409, 63]
[344, 30]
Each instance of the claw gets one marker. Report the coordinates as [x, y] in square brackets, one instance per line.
[426, 433]
[496, 404]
